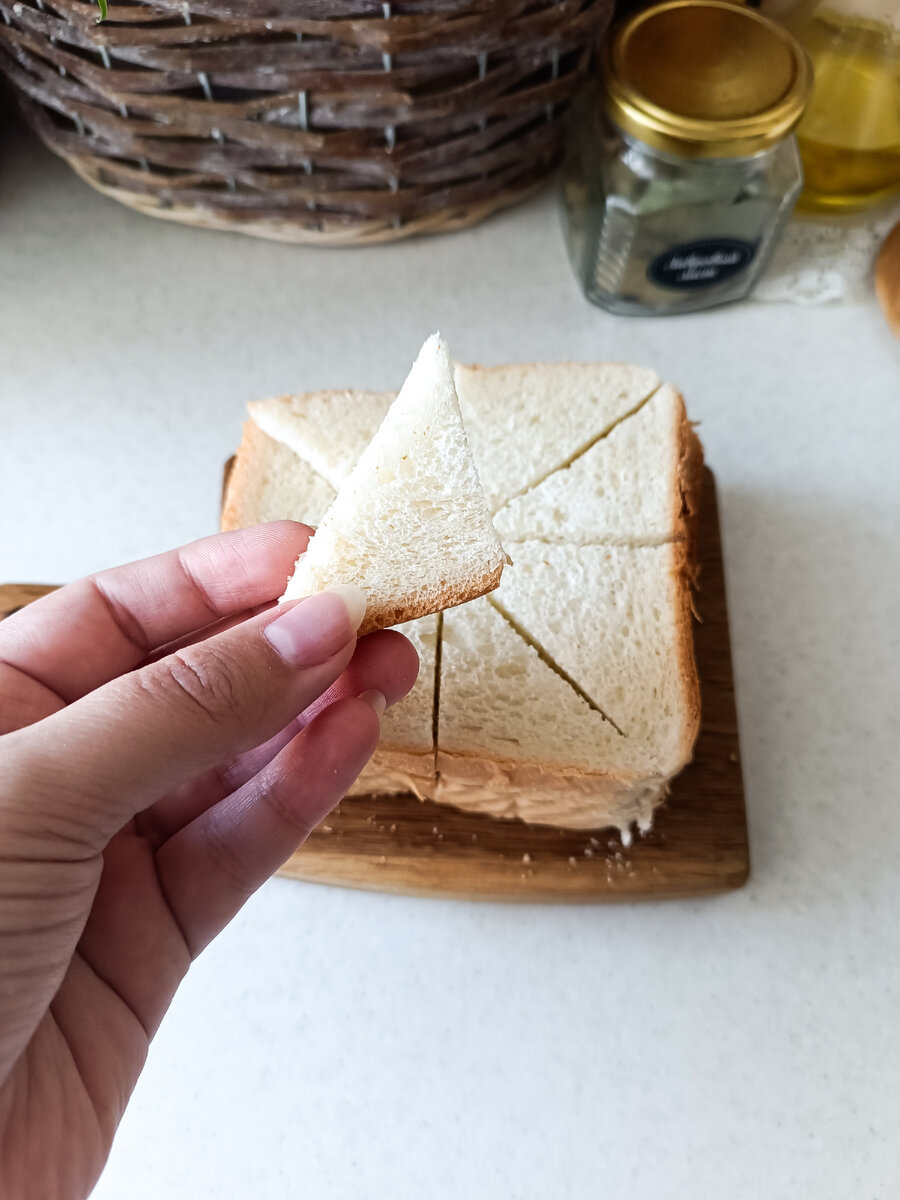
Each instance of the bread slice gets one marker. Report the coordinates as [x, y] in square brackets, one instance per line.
[328, 430]
[526, 421]
[376, 779]
[636, 486]
[549, 796]
[523, 421]
[617, 619]
[268, 482]
[516, 740]
[570, 695]
[404, 760]
[500, 700]
[409, 525]
[520, 721]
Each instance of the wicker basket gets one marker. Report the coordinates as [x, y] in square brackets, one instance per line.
[329, 121]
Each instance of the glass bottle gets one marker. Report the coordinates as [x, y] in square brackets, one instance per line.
[850, 135]
[682, 168]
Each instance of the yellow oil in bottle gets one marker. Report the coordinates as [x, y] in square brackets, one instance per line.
[850, 135]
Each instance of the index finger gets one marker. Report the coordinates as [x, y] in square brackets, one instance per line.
[88, 632]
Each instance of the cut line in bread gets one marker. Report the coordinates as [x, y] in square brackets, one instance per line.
[436, 698]
[618, 620]
[501, 703]
[268, 482]
[500, 406]
[605, 495]
[583, 449]
[525, 420]
[549, 661]
[308, 425]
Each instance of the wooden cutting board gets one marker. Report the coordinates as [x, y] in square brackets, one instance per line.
[698, 844]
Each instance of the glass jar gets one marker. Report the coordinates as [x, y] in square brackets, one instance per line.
[850, 134]
[682, 167]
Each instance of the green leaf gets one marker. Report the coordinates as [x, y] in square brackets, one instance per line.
[103, 9]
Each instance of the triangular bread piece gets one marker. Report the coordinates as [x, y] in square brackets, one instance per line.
[499, 699]
[410, 525]
[525, 421]
[616, 619]
[270, 483]
[515, 740]
[636, 486]
[328, 430]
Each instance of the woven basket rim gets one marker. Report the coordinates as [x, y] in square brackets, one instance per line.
[322, 116]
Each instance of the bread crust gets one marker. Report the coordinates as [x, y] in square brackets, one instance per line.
[684, 570]
[391, 771]
[384, 616]
[249, 453]
[687, 493]
[688, 497]
[887, 279]
[256, 455]
[537, 794]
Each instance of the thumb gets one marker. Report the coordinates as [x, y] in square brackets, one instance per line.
[87, 769]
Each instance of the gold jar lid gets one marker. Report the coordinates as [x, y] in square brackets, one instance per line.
[705, 79]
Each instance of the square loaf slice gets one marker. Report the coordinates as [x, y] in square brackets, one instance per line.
[569, 696]
[637, 485]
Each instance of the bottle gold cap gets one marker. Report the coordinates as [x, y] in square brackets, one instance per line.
[705, 79]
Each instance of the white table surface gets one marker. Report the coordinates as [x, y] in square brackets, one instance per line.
[339, 1045]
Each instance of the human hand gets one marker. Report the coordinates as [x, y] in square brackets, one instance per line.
[167, 740]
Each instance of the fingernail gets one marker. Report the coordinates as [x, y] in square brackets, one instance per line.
[354, 598]
[376, 699]
[312, 631]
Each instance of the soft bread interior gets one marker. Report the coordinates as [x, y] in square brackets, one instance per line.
[525, 422]
[409, 525]
[307, 425]
[617, 619]
[269, 482]
[622, 489]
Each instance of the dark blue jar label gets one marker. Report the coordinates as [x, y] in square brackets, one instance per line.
[702, 264]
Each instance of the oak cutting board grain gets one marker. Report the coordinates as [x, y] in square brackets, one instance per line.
[698, 845]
